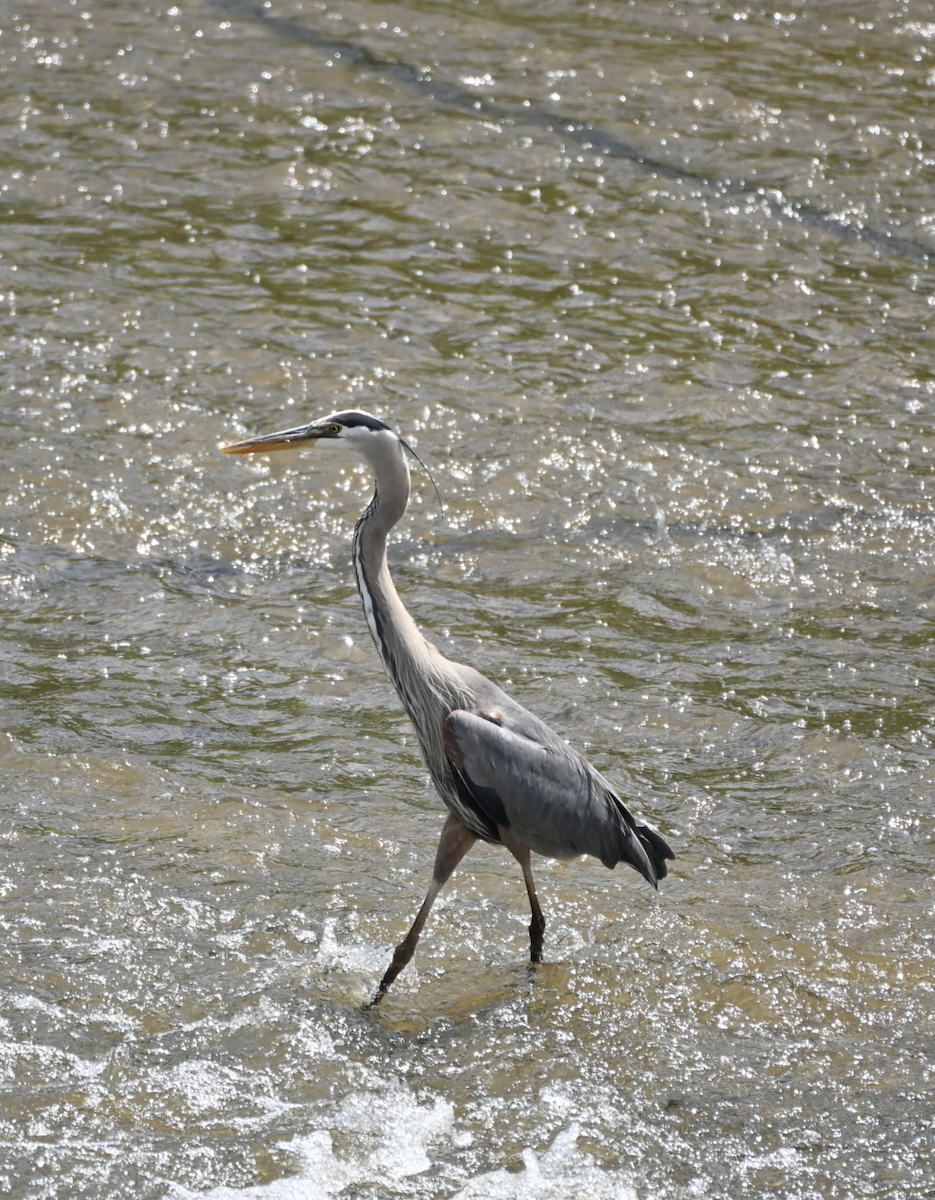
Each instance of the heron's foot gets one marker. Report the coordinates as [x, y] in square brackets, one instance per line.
[382, 989]
[401, 955]
[530, 974]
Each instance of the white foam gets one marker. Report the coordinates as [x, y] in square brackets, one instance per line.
[361, 958]
[384, 1138]
[390, 1133]
[563, 1172]
[293, 1188]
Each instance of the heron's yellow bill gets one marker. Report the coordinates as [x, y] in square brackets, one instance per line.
[285, 439]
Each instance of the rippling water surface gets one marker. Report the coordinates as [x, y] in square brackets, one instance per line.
[649, 288]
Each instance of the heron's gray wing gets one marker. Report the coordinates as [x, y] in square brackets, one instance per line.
[548, 795]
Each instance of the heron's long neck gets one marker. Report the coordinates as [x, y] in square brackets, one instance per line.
[395, 634]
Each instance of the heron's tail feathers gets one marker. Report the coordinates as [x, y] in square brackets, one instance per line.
[657, 850]
[643, 848]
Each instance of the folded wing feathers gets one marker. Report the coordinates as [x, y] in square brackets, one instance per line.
[551, 795]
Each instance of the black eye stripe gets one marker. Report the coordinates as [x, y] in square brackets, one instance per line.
[354, 420]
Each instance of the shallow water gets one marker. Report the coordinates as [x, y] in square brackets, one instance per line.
[683, 432]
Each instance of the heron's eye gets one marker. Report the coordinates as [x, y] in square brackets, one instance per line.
[335, 429]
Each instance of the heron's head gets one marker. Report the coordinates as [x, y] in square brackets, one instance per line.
[379, 445]
[360, 429]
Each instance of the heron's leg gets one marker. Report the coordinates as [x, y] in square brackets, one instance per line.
[455, 842]
[520, 852]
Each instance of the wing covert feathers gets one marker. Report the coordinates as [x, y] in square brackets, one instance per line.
[548, 794]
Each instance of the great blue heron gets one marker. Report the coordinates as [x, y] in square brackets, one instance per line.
[503, 774]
